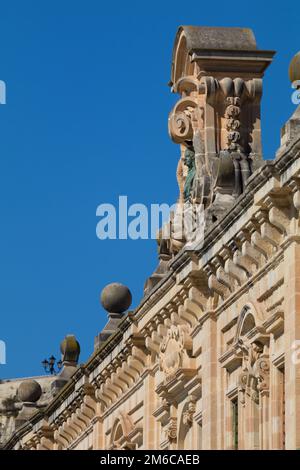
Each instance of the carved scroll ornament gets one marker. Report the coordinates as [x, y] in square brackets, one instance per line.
[254, 378]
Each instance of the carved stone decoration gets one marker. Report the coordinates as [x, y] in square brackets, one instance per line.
[218, 114]
[180, 126]
[242, 382]
[186, 225]
[173, 350]
[262, 373]
[186, 125]
[254, 378]
[249, 352]
[216, 122]
[171, 431]
[188, 415]
[181, 175]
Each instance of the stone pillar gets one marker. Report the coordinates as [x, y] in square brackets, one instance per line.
[221, 402]
[264, 420]
[276, 406]
[252, 422]
[292, 337]
[98, 431]
[228, 425]
[150, 423]
[209, 385]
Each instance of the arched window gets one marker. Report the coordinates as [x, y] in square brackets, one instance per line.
[250, 404]
[248, 324]
[120, 433]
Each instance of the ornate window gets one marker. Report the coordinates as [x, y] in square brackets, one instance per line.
[124, 435]
[248, 360]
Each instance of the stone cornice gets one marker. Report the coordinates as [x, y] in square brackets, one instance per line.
[106, 348]
[255, 182]
[248, 284]
[155, 295]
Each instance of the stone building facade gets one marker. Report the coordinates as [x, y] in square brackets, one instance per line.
[209, 359]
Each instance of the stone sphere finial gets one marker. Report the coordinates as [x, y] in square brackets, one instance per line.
[70, 349]
[116, 298]
[294, 69]
[29, 391]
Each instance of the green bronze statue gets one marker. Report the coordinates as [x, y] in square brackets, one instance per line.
[189, 161]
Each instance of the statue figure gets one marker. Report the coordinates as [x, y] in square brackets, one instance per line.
[189, 161]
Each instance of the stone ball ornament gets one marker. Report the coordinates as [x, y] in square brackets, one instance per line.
[294, 69]
[29, 391]
[70, 349]
[116, 298]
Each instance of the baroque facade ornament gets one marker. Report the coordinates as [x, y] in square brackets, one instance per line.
[174, 350]
[233, 124]
[188, 414]
[254, 377]
[218, 118]
[171, 431]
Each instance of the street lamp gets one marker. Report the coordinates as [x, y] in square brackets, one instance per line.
[49, 365]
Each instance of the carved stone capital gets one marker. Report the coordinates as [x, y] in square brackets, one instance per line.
[188, 414]
[171, 431]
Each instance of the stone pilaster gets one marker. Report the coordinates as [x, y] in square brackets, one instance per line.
[292, 336]
[149, 424]
[209, 385]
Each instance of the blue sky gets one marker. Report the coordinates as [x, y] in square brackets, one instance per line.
[85, 122]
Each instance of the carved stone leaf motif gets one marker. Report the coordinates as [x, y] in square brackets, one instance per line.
[232, 115]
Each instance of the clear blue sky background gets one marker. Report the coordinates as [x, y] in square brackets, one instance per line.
[85, 121]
